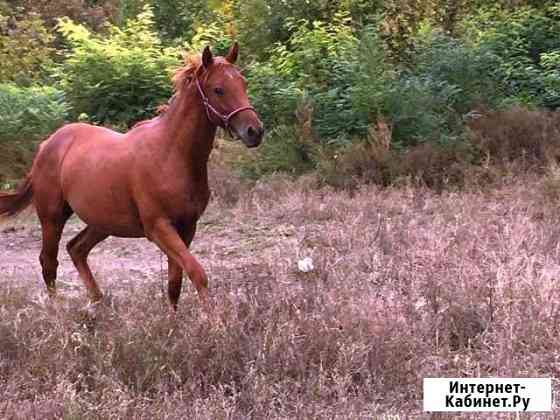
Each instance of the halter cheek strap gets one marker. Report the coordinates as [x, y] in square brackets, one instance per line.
[224, 119]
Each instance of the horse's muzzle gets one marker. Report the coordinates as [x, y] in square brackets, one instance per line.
[253, 136]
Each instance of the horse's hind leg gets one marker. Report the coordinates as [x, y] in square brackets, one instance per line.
[52, 224]
[79, 248]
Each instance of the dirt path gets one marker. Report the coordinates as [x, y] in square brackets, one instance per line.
[224, 245]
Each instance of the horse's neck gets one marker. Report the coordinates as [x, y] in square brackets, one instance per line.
[190, 132]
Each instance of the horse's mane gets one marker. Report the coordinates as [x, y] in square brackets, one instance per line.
[185, 74]
[182, 76]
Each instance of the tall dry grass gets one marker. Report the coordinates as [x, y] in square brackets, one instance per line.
[407, 284]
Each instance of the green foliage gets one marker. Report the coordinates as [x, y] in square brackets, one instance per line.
[522, 40]
[551, 78]
[284, 150]
[262, 24]
[175, 20]
[27, 115]
[321, 73]
[417, 108]
[212, 34]
[30, 113]
[118, 79]
[429, 100]
[25, 49]
[447, 80]
[273, 93]
[179, 19]
[468, 69]
[371, 80]
[318, 60]
[323, 57]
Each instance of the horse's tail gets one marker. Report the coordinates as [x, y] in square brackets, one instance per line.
[14, 202]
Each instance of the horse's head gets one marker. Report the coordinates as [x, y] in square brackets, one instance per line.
[223, 90]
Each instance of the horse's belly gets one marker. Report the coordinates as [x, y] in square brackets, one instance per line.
[113, 218]
[101, 199]
[115, 225]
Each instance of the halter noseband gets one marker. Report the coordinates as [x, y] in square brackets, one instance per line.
[224, 118]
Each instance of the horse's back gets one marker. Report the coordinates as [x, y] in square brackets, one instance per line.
[75, 141]
[55, 148]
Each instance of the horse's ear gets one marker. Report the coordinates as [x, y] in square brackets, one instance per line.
[233, 53]
[207, 57]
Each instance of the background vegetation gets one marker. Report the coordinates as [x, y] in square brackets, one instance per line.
[359, 91]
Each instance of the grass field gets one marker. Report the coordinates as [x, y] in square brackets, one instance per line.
[407, 284]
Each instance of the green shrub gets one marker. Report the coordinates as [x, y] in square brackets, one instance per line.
[118, 79]
[522, 40]
[30, 113]
[262, 23]
[469, 69]
[551, 78]
[273, 91]
[27, 115]
[284, 150]
[418, 108]
[215, 35]
[370, 80]
[428, 101]
[25, 49]
[175, 20]
[318, 62]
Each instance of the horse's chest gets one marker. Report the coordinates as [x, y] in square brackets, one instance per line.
[187, 202]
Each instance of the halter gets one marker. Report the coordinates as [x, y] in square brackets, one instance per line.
[224, 118]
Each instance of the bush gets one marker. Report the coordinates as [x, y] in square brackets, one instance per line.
[262, 23]
[518, 133]
[370, 81]
[468, 70]
[521, 40]
[418, 108]
[284, 150]
[27, 115]
[119, 79]
[25, 49]
[426, 102]
[272, 92]
[437, 166]
[354, 164]
[179, 19]
[551, 78]
[317, 62]
[373, 160]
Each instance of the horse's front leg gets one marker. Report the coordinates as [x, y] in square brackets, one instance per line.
[175, 272]
[164, 234]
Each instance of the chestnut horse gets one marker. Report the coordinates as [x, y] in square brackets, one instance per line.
[150, 182]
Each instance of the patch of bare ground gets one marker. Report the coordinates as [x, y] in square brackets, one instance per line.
[407, 284]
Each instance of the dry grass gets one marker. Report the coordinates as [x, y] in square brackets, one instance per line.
[407, 284]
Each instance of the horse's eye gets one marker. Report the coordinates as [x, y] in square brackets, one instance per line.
[219, 91]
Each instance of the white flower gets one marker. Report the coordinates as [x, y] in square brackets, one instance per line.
[305, 265]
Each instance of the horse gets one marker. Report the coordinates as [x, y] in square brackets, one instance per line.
[151, 181]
